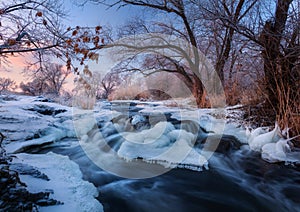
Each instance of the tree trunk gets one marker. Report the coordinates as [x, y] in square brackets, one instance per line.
[281, 76]
[271, 37]
[223, 57]
[198, 92]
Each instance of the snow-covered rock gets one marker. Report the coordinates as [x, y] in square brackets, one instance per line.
[273, 147]
[258, 138]
[280, 151]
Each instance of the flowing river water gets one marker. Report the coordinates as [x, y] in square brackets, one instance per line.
[237, 180]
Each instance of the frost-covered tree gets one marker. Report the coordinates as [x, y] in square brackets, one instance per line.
[7, 84]
[48, 80]
[36, 26]
[218, 18]
[28, 26]
[200, 24]
[35, 87]
[109, 83]
[273, 28]
[179, 12]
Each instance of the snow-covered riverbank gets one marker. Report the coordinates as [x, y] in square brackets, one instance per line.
[129, 139]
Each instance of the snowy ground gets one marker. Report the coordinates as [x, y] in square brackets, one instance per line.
[65, 181]
[29, 122]
[115, 134]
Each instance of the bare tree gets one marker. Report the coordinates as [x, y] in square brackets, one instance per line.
[194, 21]
[276, 33]
[198, 20]
[7, 84]
[35, 26]
[55, 76]
[216, 14]
[281, 53]
[30, 26]
[109, 83]
[176, 10]
[46, 80]
[35, 87]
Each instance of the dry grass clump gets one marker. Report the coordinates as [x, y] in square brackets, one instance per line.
[137, 93]
[84, 102]
[125, 93]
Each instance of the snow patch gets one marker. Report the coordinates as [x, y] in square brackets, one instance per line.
[65, 181]
[54, 135]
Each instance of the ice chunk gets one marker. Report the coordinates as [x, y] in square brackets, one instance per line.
[165, 145]
[180, 155]
[280, 152]
[151, 135]
[257, 140]
[273, 152]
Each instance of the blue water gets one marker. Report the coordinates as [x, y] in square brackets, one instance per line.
[237, 181]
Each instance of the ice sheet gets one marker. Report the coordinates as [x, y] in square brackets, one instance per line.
[65, 181]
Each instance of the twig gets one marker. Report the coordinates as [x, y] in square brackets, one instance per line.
[2, 138]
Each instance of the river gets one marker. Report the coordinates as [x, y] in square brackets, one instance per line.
[235, 179]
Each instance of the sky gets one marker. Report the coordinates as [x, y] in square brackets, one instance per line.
[87, 15]
[93, 14]
[14, 69]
